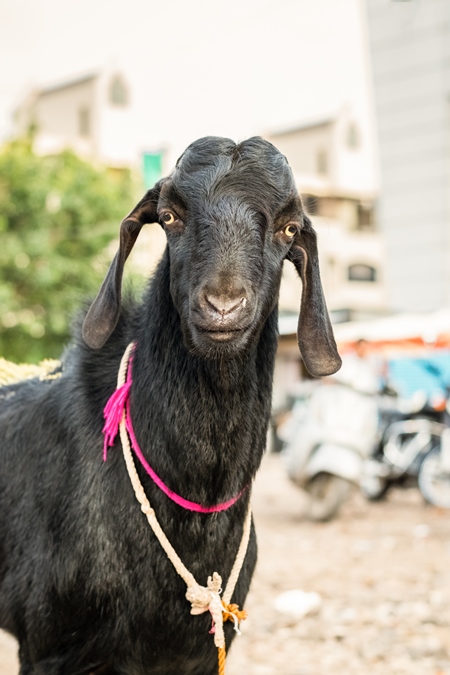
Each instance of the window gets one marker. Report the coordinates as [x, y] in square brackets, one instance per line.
[84, 122]
[118, 94]
[322, 162]
[361, 272]
[366, 217]
[352, 136]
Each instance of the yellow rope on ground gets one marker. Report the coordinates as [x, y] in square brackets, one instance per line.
[202, 598]
[10, 372]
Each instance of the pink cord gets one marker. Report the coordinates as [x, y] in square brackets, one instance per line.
[113, 414]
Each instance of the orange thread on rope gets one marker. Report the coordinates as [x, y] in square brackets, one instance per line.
[232, 612]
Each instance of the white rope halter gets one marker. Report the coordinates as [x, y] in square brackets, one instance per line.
[202, 598]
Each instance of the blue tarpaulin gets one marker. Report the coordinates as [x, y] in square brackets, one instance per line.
[429, 373]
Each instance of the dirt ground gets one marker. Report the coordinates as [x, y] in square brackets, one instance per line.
[381, 573]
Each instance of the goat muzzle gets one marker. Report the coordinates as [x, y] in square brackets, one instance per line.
[222, 317]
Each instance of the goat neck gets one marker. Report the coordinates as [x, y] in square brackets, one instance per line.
[201, 423]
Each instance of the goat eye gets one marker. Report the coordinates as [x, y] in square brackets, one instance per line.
[290, 230]
[168, 218]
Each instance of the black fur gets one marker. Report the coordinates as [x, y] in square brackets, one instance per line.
[84, 585]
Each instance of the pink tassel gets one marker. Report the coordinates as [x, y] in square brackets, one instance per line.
[113, 413]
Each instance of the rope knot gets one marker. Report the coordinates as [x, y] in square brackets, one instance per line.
[204, 599]
[207, 598]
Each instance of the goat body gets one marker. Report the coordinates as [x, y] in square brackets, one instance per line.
[84, 584]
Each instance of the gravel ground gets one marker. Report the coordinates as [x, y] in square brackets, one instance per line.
[381, 573]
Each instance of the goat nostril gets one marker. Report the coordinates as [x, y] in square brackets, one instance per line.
[223, 305]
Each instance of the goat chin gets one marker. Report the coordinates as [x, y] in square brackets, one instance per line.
[219, 344]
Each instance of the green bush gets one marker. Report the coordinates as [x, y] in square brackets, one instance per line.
[57, 215]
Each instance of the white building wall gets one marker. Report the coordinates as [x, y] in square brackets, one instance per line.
[113, 137]
[57, 116]
[349, 170]
[410, 47]
[354, 172]
[118, 141]
[339, 248]
[302, 148]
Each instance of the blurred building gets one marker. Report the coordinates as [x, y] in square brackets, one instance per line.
[410, 52]
[333, 167]
[92, 114]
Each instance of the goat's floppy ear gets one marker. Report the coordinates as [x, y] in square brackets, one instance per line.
[315, 334]
[104, 312]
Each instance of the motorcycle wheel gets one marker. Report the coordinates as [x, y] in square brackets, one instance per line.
[374, 488]
[326, 494]
[434, 483]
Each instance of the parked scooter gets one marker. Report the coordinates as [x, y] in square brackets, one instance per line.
[329, 435]
[413, 448]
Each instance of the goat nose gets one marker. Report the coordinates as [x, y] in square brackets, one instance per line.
[224, 305]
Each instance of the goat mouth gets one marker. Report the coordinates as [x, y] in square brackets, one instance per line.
[222, 335]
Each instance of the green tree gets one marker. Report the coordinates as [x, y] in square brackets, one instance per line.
[57, 215]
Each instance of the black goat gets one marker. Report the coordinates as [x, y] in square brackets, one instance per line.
[84, 585]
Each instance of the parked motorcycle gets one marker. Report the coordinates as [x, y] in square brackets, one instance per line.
[327, 438]
[413, 448]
